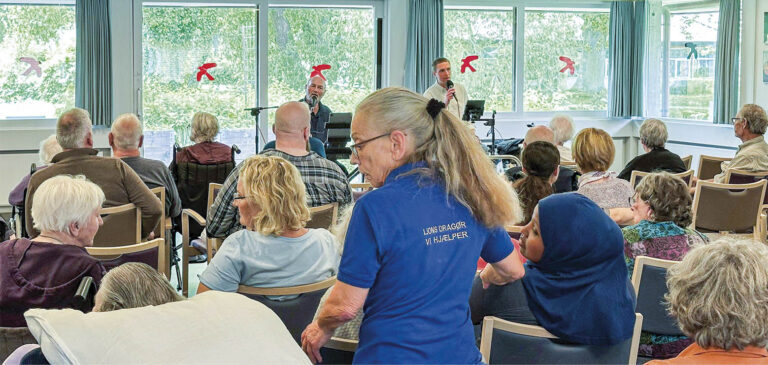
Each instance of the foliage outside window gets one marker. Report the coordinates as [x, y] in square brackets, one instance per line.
[37, 38]
[579, 37]
[490, 35]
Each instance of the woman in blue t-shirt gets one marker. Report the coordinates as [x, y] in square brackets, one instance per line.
[412, 245]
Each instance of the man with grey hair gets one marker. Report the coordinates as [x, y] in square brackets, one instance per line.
[320, 113]
[119, 182]
[125, 138]
[749, 126]
[562, 126]
[653, 136]
[325, 181]
[567, 179]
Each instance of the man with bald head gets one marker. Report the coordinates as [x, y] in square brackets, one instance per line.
[567, 179]
[119, 182]
[125, 138]
[324, 180]
[320, 113]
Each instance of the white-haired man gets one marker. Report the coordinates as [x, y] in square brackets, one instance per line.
[320, 113]
[562, 126]
[119, 182]
[125, 138]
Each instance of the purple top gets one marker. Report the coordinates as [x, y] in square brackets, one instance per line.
[16, 197]
[41, 275]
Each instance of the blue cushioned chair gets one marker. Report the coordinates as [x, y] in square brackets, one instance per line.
[649, 279]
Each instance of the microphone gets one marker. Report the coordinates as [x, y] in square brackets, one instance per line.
[449, 85]
[312, 102]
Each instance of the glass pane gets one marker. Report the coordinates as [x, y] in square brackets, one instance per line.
[691, 76]
[566, 60]
[38, 60]
[489, 35]
[179, 46]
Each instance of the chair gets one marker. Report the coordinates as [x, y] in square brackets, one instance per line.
[514, 231]
[726, 208]
[338, 351]
[505, 342]
[746, 177]
[122, 225]
[323, 216]
[649, 279]
[151, 253]
[295, 313]
[185, 248]
[164, 228]
[709, 166]
[512, 161]
[634, 180]
[360, 189]
[212, 243]
[687, 161]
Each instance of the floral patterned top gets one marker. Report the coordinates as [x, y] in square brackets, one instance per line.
[661, 240]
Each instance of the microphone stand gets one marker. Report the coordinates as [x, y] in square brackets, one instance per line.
[255, 113]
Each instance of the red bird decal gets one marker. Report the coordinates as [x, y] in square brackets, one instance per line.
[568, 64]
[465, 63]
[318, 70]
[204, 71]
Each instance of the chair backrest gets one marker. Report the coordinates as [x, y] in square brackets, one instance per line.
[295, 313]
[709, 166]
[505, 342]
[514, 231]
[13, 337]
[746, 177]
[151, 253]
[160, 194]
[687, 161]
[728, 207]
[212, 243]
[186, 214]
[649, 279]
[338, 351]
[323, 216]
[193, 180]
[360, 189]
[122, 225]
[634, 180]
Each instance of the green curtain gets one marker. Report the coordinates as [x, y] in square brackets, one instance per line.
[93, 62]
[626, 50]
[727, 62]
[425, 42]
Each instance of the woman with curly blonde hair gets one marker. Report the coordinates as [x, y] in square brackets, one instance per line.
[275, 249]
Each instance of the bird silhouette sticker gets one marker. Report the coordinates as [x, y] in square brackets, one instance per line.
[318, 70]
[204, 71]
[568, 64]
[693, 51]
[34, 65]
[465, 63]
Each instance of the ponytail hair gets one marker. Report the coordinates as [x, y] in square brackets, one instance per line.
[540, 159]
[451, 151]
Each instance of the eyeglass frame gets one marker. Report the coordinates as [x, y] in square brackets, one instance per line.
[357, 145]
[237, 196]
[735, 120]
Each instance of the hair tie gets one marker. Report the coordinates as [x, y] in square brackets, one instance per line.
[434, 107]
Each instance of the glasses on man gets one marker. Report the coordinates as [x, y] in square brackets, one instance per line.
[738, 120]
[357, 146]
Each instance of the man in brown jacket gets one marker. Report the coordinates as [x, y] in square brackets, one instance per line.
[120, 183]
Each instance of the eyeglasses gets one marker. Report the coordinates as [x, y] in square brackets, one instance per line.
[356, 147]
[237, 197]
[737, 120]
[631, 200]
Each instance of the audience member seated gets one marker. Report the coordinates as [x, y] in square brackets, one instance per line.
[315, 145]
[49, 147]
[46, 271]
[662, 214]
[275, 250]
[540, 165]
[562, 125]
[575, 285]
[116, 179]
[653, 136]
[567, 179]
[718, 294]
[125, 138]
[133, 285]
[324, 181]
[749, 126]
[593, 151]
[205, 151]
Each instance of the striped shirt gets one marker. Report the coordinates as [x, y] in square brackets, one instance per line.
[324, 180]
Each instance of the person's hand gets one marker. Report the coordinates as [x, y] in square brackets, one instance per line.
[312, 339]
[151, 236]
[485, 276]
[449, 96]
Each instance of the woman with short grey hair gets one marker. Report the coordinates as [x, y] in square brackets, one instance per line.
[205, 151]
[653, 136]
[719, 295]
[134, 285]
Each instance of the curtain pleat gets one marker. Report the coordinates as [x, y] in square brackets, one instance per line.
[93, 62]
[425, 42]
[625, 57]
[726, 103]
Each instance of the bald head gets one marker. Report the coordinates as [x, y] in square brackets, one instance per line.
[539, 133]
[291, 118]
[73, 129]
[126, 132]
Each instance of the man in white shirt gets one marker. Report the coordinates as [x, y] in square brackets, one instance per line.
[455, 98]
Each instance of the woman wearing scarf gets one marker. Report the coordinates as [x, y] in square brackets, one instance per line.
[593, 151]
[576, 284]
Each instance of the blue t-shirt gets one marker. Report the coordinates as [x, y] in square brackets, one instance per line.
[416, 249]
[315, 145]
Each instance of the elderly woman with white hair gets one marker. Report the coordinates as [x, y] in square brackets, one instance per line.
[653, 136]
[719, 296]
[45, 272]
[133, 285]
[49, 147]
[562, 125]
[205, 151]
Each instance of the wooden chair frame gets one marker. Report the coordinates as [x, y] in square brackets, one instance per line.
[687, 161]
[125, 208]
[758, 230]
[640, 261]
[513, 228]
[682, 175]
[491, 322]
[515, 160]
[287, 290]
[764, 208]
[362, 186]
[165, 223]
[138, 247]
[326, 207]
[185, 248]
[212, 243]
[702, 158]
[341, 344]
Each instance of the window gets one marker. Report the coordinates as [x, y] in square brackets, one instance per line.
[38, 60]
[566, 60]
[490, 35]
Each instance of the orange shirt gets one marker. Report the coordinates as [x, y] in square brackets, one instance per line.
[695, 354]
